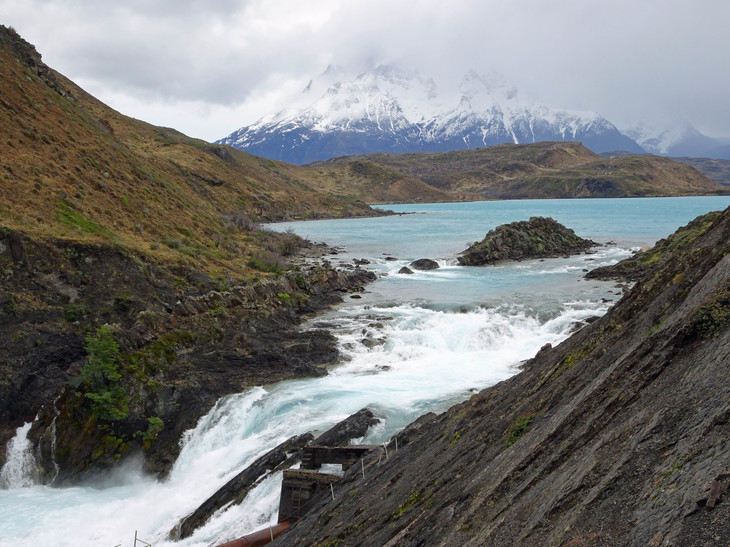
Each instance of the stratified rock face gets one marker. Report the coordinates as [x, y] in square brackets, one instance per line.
[538, 237]
[618, 436]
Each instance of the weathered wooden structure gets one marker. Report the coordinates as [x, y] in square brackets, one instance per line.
[314, 456]
[299, 486]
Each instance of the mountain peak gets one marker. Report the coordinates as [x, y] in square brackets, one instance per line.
[389, 108]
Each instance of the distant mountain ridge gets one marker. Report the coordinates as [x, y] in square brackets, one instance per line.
[388, 109]
[681, 140]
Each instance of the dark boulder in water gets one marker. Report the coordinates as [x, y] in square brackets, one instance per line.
[352, 427]
[405, 270]
[539, 237]
[424, 264]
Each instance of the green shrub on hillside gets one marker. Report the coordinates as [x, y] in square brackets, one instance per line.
[100, 375]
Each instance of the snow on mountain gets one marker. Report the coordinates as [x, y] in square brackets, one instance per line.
[389, 109]
[678, 140]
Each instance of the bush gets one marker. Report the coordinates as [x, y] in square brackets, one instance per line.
[75, 312]
[154, 428]
[100, 376]
[123, 303]
[268, 262]
[290, 243]
[713, 317]
[239, 222]
[10, 306]
[518, 429]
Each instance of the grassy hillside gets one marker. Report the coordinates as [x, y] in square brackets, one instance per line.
[509, 171]
[71, 167]
[374, 182]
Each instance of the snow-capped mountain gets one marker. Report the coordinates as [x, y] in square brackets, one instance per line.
[677, 141]
[389, 109]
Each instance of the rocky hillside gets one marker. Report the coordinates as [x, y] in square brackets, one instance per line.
[112, 355]
[618, 436]
[136, 285]
[538, 237]
[509, 171]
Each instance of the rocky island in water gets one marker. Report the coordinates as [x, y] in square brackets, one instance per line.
[538, 237]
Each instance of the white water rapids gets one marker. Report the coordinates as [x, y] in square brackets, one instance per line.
[421, 360]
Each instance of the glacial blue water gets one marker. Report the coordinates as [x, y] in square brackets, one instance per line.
[441, 230]
[412, 344]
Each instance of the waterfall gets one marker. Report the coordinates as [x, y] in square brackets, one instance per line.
[51, 431]
[20, 469]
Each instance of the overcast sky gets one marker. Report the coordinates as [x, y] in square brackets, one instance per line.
[210, 67]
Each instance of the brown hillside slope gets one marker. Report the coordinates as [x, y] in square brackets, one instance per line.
[714, 169]
[72, 167]
[374, 182]
[534, 171]
[618, 436]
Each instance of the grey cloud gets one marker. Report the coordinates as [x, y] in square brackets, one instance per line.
[623, 59]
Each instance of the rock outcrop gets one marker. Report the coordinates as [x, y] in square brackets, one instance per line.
[618, 436]
[538, 237]
[353, 427]
[184, 340]
[652, 259]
